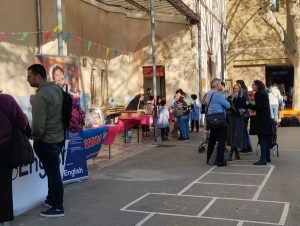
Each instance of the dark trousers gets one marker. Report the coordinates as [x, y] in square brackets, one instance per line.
[264, 142]
[196, 123]
[49, 156]
[6, 199]
[217, 134]
[164, 133]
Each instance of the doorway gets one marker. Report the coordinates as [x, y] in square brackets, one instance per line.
[160, 79]
[283, 76]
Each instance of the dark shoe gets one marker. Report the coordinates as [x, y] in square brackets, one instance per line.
[259, 163]
[268, 160]
[48, 204]
[244, 151]
[237, 155]
[230, 155]
[220, 164]
[52, 213]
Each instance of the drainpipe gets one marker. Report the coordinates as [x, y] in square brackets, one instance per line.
[152, 18]
[222, 45]
[39, 26]
[198, 11]
[59, 32]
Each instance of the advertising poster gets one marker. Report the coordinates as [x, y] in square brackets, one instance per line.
[75, 168]
[62, 70]
[93, 139]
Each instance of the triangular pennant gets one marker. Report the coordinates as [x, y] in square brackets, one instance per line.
[4, 36]
[116, 53]
[89, 45]
[78, 42]
[107, 51]
[57, 28]
[23, 36]
[67, 36]
[47, 35]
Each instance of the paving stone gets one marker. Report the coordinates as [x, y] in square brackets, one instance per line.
[174, 204]
[217, 190]
[157, 220]
[233, 179]
[257, 211]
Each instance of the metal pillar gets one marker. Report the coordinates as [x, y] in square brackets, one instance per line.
[152, 18]
[198, 11]
[59, 32]
[39, 26]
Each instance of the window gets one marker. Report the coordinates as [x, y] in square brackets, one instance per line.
[274, 5]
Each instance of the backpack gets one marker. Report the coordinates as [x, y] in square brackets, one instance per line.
[73, 117]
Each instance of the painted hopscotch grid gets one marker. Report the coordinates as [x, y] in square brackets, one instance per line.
[239, 222]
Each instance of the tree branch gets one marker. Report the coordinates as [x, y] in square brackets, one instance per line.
[267, 15]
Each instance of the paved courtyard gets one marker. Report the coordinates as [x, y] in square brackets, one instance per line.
[151, 185]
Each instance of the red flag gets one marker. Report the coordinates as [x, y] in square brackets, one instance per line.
[4, 36]
[78, 42]
[47, 35]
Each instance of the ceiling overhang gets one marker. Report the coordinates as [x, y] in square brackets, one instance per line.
[162, 7]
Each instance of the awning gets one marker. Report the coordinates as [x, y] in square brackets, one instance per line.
[166, 7]
[147, 71]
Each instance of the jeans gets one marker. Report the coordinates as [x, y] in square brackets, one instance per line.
[49, 157]
[220, 135]
[264, 142]
[274, 112]
[184, 127]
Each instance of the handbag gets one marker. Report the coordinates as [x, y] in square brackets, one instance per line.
[215, 120]
[178, 113]
[21, 149]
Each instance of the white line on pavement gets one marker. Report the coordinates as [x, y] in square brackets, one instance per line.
[245, 185]
[140, 198]
[207, 207]
[250, 174]
[260, 188]
[284, 214]
[145, 219]
[252, 165]
[240, 223]
[195, 181]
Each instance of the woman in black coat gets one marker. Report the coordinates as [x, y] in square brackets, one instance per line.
[260, 123]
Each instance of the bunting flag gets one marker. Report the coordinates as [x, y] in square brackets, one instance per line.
[47, 35]
[89, 45]
[78, 42]
[23, 36]
[4, 36]
[116, 53]
[57, 28]
[107, 52]
[67, 36]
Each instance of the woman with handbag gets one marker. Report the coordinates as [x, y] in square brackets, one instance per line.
[260, 122]
[10, 115]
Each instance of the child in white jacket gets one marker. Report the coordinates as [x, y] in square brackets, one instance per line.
[163, 120]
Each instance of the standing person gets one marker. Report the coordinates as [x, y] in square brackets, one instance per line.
[274, 98]
[216, 103]
[48, 135]
[183, 120]
[225, 92]
[237, 132]
[195, 116]
[163, 120]
[246, 115]
[11, 116]
[175, 129]
[260, 123]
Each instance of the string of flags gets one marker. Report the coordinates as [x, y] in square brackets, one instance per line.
[79, 43]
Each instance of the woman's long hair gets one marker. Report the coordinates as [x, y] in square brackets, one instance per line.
[242, 84]
[260, 85]
[241, 93]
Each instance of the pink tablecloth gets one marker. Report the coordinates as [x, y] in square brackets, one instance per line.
[129, 122]
[113, 131]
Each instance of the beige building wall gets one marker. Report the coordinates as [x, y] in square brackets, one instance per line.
[252, 44]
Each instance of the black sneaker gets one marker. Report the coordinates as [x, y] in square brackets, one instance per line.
[47, 203]
[260, 163]
[52, 213]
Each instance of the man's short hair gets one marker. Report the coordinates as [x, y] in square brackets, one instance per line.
[214, 82]
[38, 69]
[223, 84]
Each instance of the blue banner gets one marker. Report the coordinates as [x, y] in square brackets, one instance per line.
[93, 139]
[75, 167]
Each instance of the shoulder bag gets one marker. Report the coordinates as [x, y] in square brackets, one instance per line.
[215, 120]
